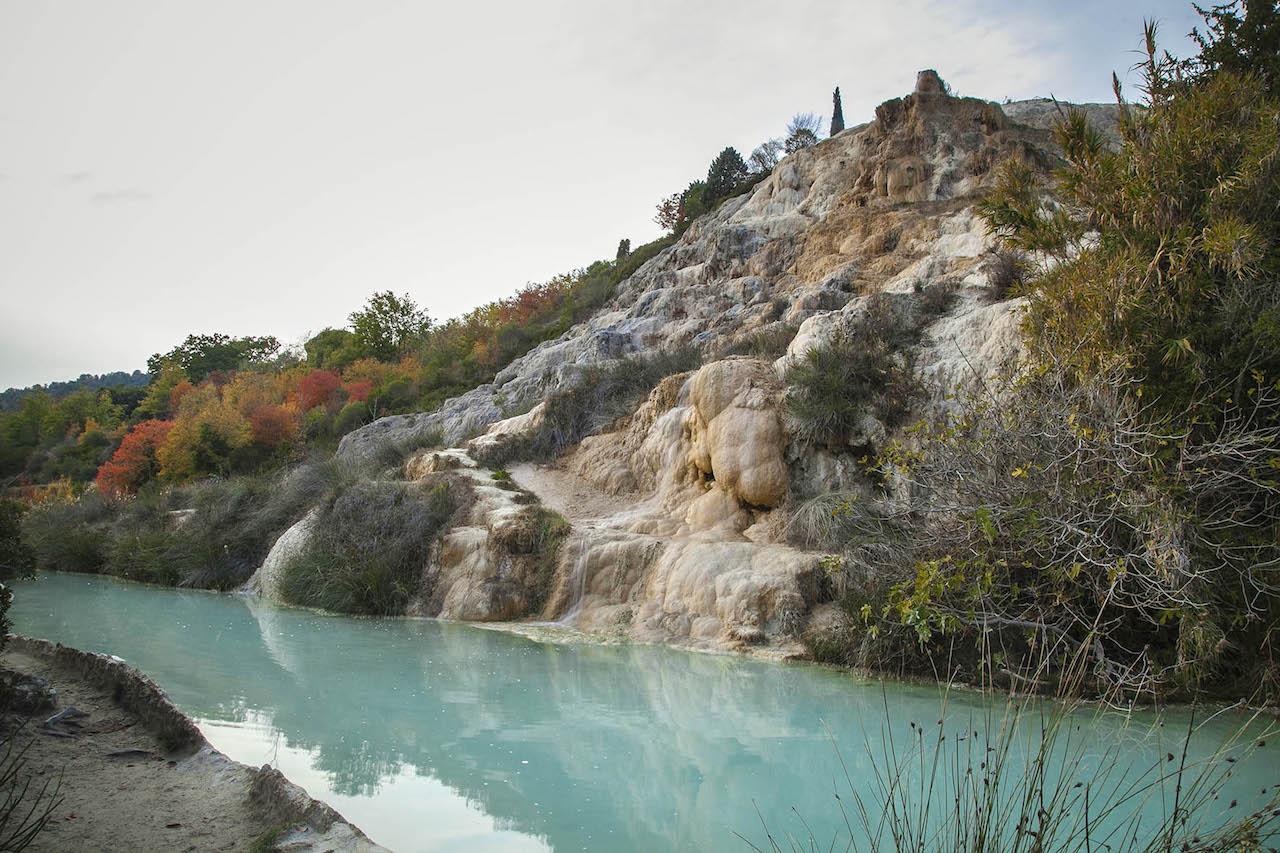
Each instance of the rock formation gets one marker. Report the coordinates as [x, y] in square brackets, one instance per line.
[695, 555]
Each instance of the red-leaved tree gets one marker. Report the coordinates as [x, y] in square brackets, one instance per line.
[134, 462]
[360, 390]
[316, 387]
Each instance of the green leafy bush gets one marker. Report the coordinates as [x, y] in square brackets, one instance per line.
[353, 416]
[536, 541]
[16, 557]
[1121, 497]
[1164, 254]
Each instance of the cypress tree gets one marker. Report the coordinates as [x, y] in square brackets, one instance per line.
[837, 114]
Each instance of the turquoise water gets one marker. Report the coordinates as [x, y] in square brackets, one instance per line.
[440, 736]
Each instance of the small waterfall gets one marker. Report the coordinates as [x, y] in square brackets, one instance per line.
[578, 584]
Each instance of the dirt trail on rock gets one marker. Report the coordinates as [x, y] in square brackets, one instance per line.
[568, 494]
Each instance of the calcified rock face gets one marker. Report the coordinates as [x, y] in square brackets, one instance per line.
[690, 549]
[266, 581]
[737, 435]
[827, 226]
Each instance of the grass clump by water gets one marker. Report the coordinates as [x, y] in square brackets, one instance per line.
[1033, 776]
[599, 397]
[209, 535]
[369, 547]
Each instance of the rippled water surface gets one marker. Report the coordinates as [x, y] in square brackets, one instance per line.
[439, 736]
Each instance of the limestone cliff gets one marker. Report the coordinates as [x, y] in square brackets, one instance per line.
[675, 510]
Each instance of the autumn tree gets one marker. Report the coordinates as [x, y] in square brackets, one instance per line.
[668, 215]
[316, 388]
[389, 325]
[272, 426]
[135, 462]
[207, 431]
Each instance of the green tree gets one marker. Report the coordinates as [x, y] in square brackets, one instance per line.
[332, 349]
[26, 427]
[624, 248]
[837, 114]
[694, 202]
[17, 560]
[389, 325]
[725, 173]
[155, 405]
[1240, 44]
[200, 355]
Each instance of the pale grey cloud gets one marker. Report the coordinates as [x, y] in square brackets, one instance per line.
[120, 196]
[454, 151]
[73, 178]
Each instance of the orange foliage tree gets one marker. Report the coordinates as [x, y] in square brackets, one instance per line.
[273, 426]
[134, 462]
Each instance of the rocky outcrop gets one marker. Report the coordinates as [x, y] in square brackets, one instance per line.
[267, 580]
[707, 464]
[736, 432]
[828, 225]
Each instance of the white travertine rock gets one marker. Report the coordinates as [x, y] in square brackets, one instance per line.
[926, 148]
[882, 208]
[738, 437]
[267, 579]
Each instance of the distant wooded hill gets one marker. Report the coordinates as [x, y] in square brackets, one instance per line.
[11, 398]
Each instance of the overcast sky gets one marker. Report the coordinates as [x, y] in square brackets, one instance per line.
[170, 167]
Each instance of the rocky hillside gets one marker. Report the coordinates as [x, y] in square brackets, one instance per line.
[678, 511]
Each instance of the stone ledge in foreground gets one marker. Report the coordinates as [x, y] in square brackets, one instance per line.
[313, 825]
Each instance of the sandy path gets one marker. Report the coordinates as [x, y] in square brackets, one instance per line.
[569, 494]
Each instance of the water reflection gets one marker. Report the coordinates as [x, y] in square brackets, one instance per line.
[440, 736]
